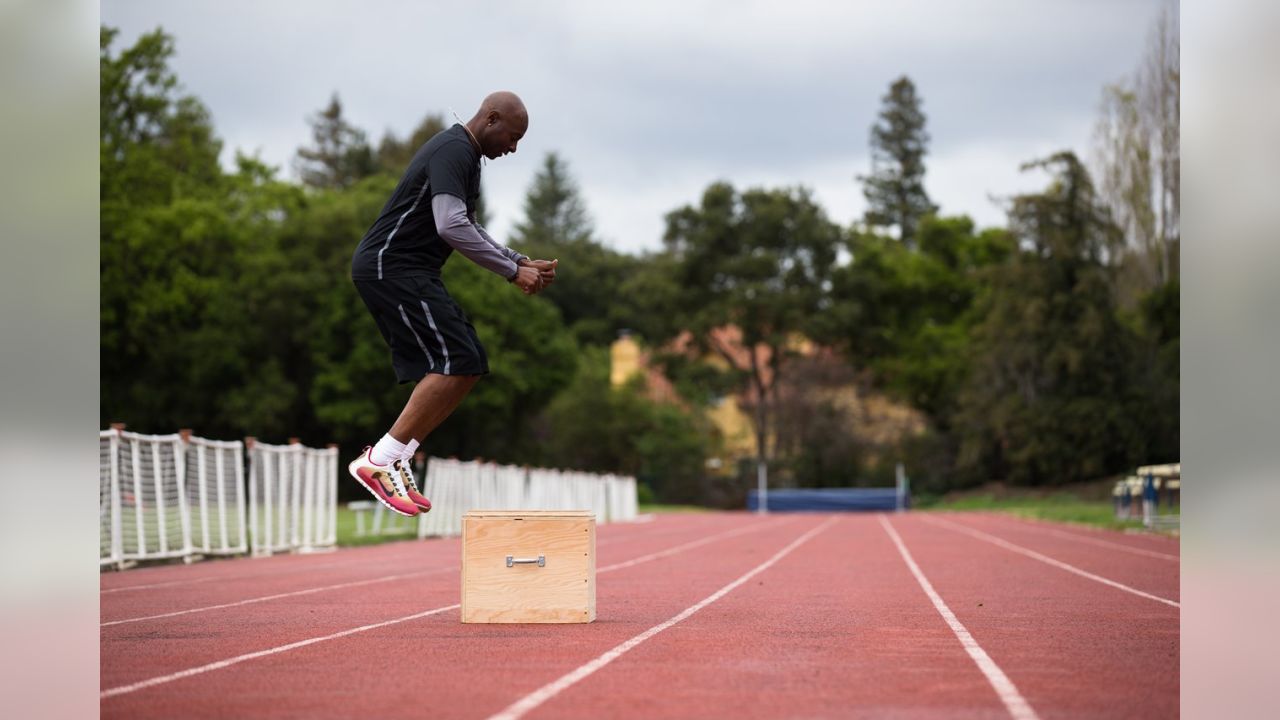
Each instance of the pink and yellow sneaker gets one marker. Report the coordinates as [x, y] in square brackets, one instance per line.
[384, 481]
[411, 488]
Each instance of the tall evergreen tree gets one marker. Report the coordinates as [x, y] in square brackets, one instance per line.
[555, 215]
[557, 225]
[895, 188]
[341, 154]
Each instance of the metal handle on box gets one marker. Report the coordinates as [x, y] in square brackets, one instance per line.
[541, 561]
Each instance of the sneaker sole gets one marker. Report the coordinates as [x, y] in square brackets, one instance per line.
[378, 497]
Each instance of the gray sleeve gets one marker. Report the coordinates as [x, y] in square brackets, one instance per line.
[515, 256]
[451, 222]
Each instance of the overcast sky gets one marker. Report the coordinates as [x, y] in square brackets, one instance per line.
[649, 103]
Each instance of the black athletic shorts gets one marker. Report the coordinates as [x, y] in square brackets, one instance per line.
[427, 331]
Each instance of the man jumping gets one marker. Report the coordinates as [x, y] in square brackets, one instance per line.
[396, 270]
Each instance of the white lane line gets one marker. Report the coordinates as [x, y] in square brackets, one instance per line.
[1098, 541]
[1017, 705]
[550, 690]
[687, 546]
[290, 569]
[263, 653]
[148, 586]
[271, 651]
[1046, 559]
[401, 576]
[264, 598]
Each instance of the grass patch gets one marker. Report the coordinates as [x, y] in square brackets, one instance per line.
[647, 508]
[1059, 507]
[347, 525]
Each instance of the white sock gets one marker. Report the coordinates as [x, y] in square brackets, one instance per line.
[387, 449]
[409, 450]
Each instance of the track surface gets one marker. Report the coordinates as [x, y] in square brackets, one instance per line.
[699, 616]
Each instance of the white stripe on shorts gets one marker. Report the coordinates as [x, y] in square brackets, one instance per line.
[432, 322]
[404, 316]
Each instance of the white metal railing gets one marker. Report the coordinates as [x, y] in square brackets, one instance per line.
[179, 496]
[168, 496]
[455, 487]
[142, 506]
[293, 498]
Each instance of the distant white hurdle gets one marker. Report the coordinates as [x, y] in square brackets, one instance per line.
[456, 487]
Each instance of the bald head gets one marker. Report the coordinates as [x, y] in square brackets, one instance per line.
[499, 124]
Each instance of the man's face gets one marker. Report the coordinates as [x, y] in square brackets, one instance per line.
[503, 133]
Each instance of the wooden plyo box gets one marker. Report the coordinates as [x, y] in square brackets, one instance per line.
[528, 566]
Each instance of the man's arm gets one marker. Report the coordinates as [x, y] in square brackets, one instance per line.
[516, 257]
[455, 228]
[546, 268]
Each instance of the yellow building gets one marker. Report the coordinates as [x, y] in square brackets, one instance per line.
[881, 421]
[628, 359]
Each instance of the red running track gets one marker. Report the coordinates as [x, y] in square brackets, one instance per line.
[707, 615]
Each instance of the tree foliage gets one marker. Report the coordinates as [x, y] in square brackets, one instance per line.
[340, 154]
[895, 188]
[759, 261]
[595, 426]
[1050, 398]
[556, 226]
[394, 154]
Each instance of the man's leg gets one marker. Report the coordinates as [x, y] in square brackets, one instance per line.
[434, 398]
[381, 469]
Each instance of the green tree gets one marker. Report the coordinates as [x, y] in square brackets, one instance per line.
[165, 239]
[1050, 398]
[649, 299]
[907, 315]
[341, 154]
[895, 188]
[556, 225]
[759, 261]
[596, 427]
[394, 154]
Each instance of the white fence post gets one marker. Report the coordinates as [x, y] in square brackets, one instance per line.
[184, 507]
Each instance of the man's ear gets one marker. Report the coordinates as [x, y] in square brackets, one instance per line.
[493, 117]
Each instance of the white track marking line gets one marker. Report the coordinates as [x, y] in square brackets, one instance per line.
[1098, 541]
[148, 586]
[1045, 559]
[550, 690]
[263, 653]
[271, 651]
[277, 596]
[388, 578]
[1017, 705]
[291, 568]
[686, 546]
